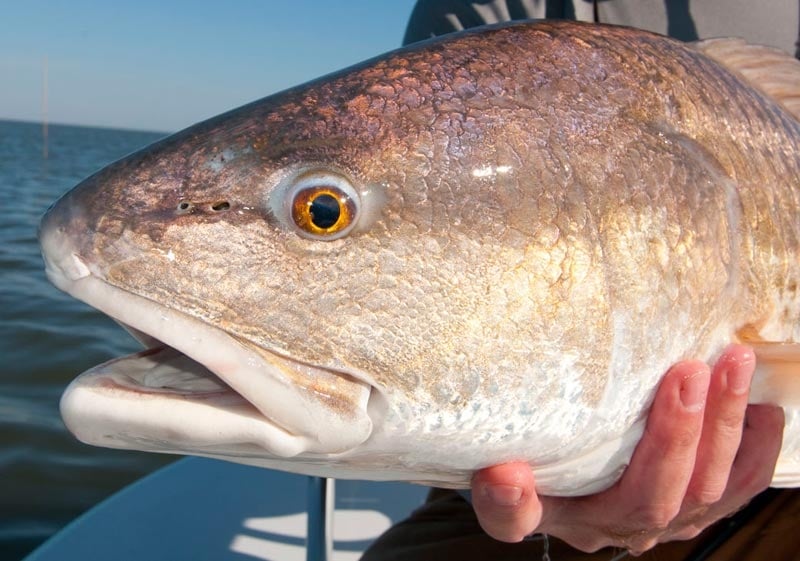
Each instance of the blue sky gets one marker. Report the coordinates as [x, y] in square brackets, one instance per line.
[163, 65]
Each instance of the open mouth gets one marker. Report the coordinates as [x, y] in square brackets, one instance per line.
[199, 389]
[161, 370]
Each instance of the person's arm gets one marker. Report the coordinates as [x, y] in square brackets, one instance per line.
[704, 454]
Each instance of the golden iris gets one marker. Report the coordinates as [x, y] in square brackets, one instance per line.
[322, 210]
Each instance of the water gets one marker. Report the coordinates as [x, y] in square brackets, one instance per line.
[47, 478]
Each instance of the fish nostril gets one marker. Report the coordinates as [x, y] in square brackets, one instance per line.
[186, 207]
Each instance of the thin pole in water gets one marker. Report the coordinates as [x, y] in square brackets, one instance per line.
[319, 540]
[45, 151]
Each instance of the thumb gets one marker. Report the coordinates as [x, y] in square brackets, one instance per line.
[505, 501]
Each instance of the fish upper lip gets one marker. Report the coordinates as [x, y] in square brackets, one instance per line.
[63, 262]
[63, 265]
[71, 268]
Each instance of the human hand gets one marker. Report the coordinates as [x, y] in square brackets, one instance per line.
[704, 454]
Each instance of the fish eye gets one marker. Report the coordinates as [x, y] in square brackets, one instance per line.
[323, 206]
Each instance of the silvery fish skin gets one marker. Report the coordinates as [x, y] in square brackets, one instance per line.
[484, 248]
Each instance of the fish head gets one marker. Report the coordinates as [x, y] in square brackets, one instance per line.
[383, 243]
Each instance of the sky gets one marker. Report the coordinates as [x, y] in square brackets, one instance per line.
[162, 65]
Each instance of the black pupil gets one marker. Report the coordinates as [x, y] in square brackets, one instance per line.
[324, 211]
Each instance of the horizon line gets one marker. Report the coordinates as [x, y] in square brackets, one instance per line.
[38, 123]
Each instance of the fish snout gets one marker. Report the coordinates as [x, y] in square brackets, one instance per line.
[61, 228]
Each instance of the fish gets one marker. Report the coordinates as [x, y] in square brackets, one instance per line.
[482, 248]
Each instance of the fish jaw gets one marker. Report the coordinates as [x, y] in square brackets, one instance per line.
[199, 390]
[154, 400]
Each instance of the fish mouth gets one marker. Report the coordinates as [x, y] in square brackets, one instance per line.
[198, 389]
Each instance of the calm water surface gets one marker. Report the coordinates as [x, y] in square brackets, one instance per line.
[47, 478]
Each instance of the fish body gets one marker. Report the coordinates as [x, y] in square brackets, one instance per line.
[488, 247]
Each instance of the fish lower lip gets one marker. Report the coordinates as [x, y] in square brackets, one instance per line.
[268, 390]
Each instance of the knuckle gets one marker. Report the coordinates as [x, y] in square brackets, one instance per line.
[709, 494]
[685, 533]
[728, 427]
[640, 539]
[676, 441]
[686, 438]
[655, 518]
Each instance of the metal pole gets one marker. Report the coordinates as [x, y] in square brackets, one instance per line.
[319, 541]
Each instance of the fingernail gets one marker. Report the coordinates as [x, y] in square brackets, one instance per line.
[504, 495]
[694, 389]
[737, 379]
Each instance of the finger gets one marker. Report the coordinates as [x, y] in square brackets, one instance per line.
[752, 469]
[758, 454]
[505, 501]
[656, 480]
[722, 426]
